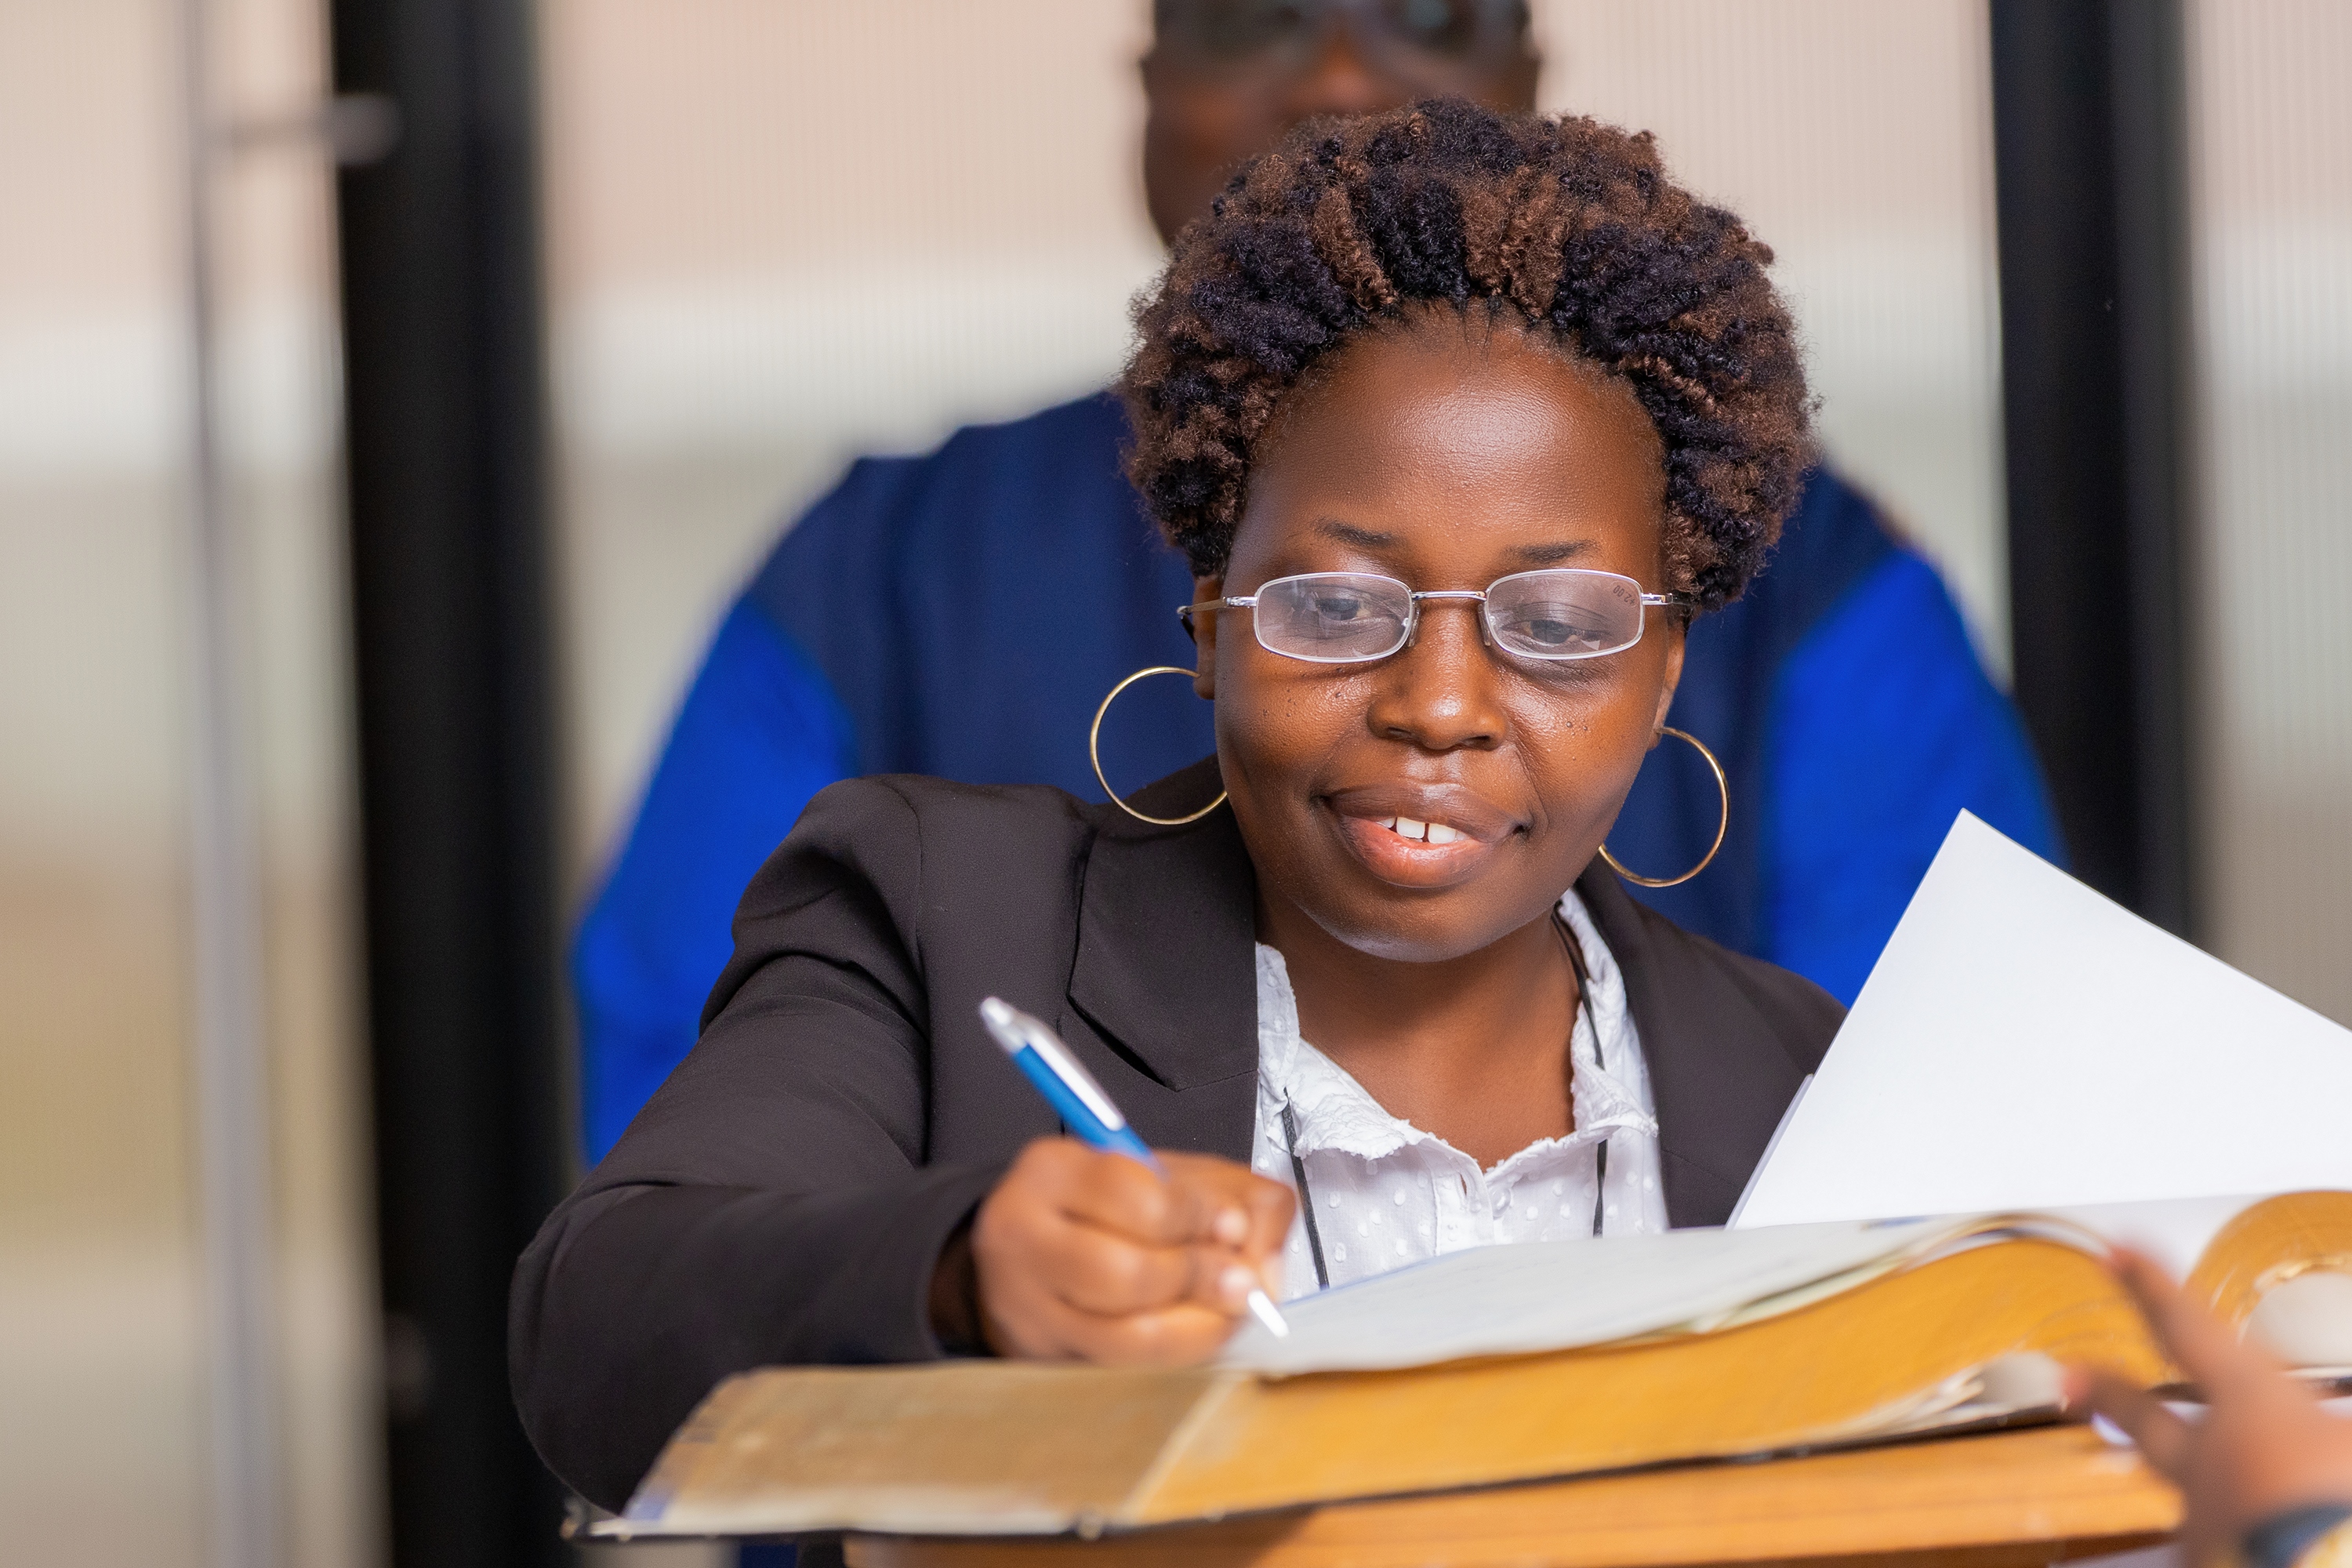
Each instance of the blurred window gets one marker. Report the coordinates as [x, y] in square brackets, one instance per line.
[102, 1448]
[2271, 171]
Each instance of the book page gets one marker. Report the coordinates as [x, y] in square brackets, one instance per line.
[1544, 1295]
[2025, 1042]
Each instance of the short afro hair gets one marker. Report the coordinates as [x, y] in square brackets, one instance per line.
[1570, 225]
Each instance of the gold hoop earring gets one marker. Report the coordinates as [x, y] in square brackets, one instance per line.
[1723, 825]
[1094, 750]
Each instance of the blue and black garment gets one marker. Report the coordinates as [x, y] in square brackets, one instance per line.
[963, 614]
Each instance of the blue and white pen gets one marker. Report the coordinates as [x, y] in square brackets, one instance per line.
[1083, 1106]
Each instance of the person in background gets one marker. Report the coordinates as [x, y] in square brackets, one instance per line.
[962, 614]
[2266, 1476]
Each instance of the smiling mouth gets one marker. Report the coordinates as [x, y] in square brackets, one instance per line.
[1456, 830]
[1421, 832]
[1414, 852]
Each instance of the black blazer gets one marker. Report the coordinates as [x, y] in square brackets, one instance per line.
[785, 1196]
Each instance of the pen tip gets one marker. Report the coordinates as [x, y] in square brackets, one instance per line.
[1269, 1314]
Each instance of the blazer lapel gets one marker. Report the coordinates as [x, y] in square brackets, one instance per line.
[1166, 968]
[1717, 1070]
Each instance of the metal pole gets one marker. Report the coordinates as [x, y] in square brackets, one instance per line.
[229, 1065]
[453, 615]
[2089, 140]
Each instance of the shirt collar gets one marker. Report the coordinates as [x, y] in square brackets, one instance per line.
[1336, 1113]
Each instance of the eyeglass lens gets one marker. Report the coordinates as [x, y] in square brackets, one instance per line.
[1333, 617]
[1343, 617]
[1238, 30]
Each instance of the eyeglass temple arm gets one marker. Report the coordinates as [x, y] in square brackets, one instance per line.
[1184, 613]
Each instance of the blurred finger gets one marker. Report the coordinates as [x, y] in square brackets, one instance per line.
[1102, 1271]
[1239, 1201]
[2161, 1436]
[1250, 1211]
[1105, 1272]
[2212, 1355]
[1179, 1206]
[1114, 1193]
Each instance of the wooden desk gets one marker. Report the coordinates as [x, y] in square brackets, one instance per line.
[2003, 1499]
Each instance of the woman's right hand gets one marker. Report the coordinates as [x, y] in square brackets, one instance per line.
[1081, 1255]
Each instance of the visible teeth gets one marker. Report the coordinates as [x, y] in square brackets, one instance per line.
[1426, 832]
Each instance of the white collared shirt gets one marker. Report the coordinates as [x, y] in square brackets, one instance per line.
[1387, 1193]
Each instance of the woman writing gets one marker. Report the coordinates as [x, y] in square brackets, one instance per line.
[1458, 417]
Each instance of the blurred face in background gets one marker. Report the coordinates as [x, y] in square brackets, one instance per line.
[1226, 77]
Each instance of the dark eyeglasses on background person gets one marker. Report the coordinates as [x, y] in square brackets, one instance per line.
[1245, 33]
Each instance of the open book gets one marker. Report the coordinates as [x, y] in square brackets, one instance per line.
[1508, 1364]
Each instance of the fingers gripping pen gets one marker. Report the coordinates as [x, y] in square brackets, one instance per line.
[1083, 1106]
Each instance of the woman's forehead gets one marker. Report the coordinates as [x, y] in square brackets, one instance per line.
[1432, 443]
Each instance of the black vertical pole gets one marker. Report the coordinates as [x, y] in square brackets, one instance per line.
[2090, 151]
[446, 435]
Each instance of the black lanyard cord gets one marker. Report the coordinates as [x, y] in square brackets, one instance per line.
[1584, 1006]
[1306, 1198]
[1601, 1157]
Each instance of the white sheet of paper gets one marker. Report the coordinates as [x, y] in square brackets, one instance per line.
[2026, 1042]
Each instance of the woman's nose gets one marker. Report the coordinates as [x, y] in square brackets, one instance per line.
[1442, 691]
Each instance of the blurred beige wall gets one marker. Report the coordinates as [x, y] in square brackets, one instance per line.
[101, 1445]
